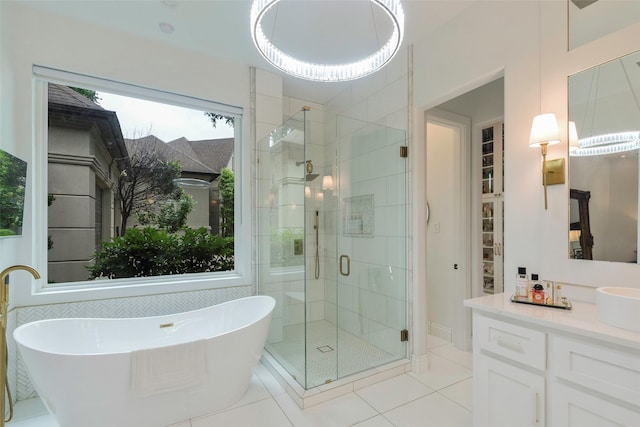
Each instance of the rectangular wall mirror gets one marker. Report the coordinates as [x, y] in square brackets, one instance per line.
[13, 180]
[591, 19]
[604, 106]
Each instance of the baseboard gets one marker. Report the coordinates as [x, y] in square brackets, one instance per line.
[440, 331]
[420, 363]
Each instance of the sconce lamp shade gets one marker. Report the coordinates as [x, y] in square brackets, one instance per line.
[574, 235]
[544, 130]
[573, 136]
[327, 182]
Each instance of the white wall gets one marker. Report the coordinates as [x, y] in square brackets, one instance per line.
[482, 105]
[494, 37]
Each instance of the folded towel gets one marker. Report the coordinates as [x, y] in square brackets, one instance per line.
[163, 369]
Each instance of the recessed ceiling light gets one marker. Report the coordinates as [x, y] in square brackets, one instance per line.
[166, 28]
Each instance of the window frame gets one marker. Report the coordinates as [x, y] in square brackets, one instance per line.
[44, 292]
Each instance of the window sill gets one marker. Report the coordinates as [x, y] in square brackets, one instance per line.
[123, 288]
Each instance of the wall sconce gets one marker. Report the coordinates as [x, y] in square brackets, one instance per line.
[327, 182]
[544, 132]
[574, 235]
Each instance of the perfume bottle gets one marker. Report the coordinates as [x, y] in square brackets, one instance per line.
[522, 284]
[549, 291]
[537, 294]
[557, 295]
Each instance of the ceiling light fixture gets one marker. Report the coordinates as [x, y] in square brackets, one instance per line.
[328, 72]
[611, 143]
[604, 143]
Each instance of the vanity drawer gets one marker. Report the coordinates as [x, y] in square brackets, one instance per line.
[523, 345]
[606, 370]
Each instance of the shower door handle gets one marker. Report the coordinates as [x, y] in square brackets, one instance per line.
[342, 264]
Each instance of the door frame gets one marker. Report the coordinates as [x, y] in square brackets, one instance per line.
[462, 291]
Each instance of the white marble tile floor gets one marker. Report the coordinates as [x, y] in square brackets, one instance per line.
[442, 397]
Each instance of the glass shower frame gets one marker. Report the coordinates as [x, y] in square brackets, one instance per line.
[332, 246]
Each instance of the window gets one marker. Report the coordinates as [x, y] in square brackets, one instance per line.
[140, 184]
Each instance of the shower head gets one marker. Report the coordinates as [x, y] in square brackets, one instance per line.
[311, 176]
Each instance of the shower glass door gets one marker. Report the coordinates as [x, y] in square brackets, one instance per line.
[371, 241]
[281, 257]
[332, 246]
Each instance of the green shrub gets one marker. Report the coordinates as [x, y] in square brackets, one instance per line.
[204, 252]
[143, 252]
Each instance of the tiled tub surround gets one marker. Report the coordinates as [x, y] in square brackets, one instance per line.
[536, 365]
[142, 306]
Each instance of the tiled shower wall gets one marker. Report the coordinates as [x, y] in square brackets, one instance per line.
[371, 301]
[142, 306]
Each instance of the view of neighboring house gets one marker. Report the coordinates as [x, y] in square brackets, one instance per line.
[201, 163]
[87, 154]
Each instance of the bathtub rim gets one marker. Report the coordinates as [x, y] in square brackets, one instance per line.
[20, 343]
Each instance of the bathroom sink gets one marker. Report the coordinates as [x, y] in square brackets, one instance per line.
[619, 307]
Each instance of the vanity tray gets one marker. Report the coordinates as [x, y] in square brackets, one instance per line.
[565, 305]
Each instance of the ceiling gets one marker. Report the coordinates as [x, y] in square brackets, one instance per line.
[220, 28]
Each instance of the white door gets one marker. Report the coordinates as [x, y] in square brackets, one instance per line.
[448, 228]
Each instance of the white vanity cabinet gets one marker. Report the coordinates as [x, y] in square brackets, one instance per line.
[592, 384]
[505, 394]
[540, 366]
[509, 378]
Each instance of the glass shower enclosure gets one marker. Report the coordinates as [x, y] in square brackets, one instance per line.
[332, 245]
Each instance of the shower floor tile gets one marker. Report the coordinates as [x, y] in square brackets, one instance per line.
[349, 354]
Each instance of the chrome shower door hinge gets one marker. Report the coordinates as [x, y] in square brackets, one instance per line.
[404, 151]
[404, 335]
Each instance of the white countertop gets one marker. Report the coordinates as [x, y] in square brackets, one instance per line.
[582, 319]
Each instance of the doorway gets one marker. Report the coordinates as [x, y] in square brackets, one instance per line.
[454, 170]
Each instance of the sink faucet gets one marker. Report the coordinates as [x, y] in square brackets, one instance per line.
[4, 360]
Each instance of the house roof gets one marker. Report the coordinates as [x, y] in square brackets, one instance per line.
[215, 153]
[68, 108]
[59, 94]
[155, 146]
[206, 157]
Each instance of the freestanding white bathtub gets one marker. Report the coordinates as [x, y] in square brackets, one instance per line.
[145, 372]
